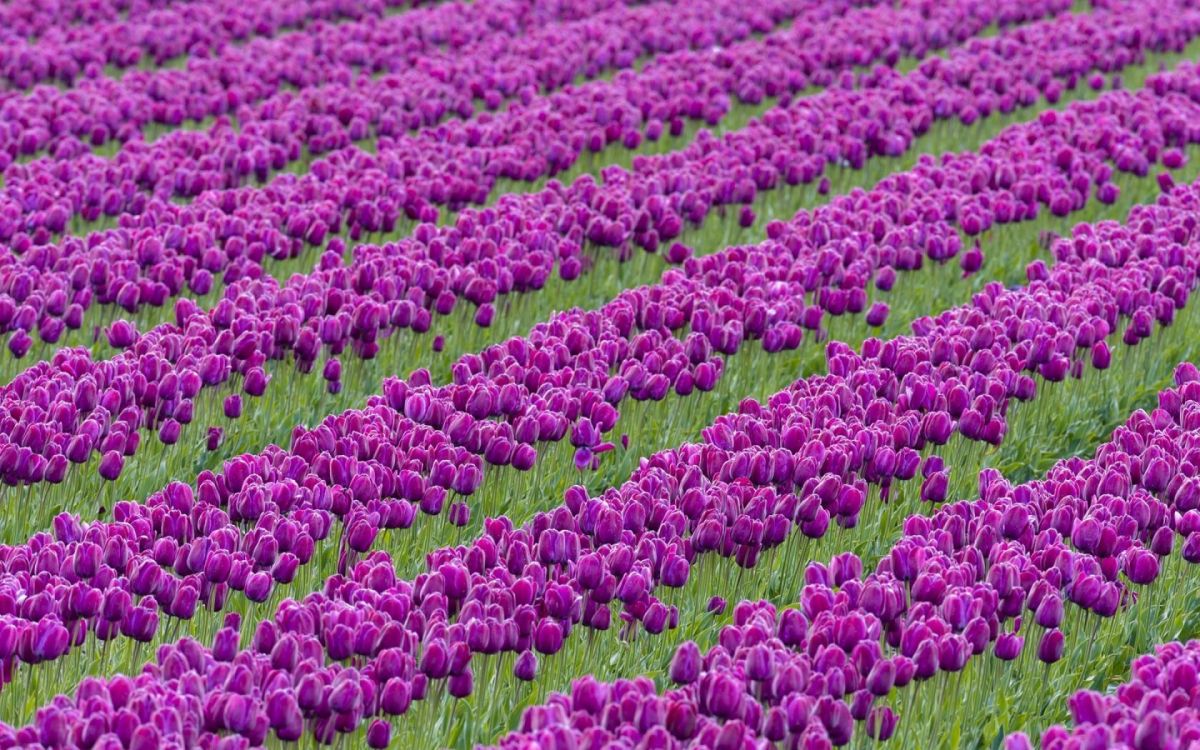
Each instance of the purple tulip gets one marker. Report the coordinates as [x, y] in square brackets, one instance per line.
[526, 666]
[379, 734]
[1050, 649]
[685, 665]
[111, 464]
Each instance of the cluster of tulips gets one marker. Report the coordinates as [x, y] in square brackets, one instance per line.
[228, 698]
[51, 195]
[143, 266]
[523, 240]
[458, 162]
[1156, 707]
[76, 41]
[1005, 579]
[38, 18]
[977, 578]
[569, 377]
[792, 465]
[773, 676]
[789, 563]
[399, 113]
[107, 111]
[51, 289]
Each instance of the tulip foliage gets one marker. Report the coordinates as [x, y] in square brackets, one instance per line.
[599, 374]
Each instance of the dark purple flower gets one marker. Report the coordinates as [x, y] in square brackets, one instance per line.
[379, 734]
[1050, 648]
[685, 665]
[111, 464]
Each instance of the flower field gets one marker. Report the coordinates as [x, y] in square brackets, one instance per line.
[600, 374]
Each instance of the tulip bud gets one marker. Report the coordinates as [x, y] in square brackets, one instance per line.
[1141, 566]
[685, 665]
[216, 436]
[525, 668]
[111, 464]
[379, 734]
[548, 637]
[881, 723]
[396, 697]
[169, 432]
[435, 661]
[877, 315]
[1050, 648]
